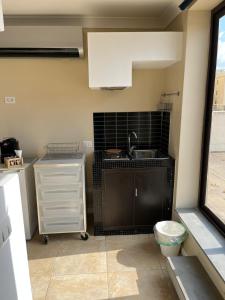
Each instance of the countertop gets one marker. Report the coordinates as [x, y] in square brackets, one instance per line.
[99, 164]
[67, 159]
[99, 158]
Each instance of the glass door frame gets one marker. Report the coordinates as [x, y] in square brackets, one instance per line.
[217, 13]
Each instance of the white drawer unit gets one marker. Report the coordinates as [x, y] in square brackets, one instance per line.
[60, 190]
[60, 175]
[61, 224]
[63, 210]
[60, 194]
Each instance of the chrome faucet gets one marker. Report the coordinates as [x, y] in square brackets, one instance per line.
[131, 148]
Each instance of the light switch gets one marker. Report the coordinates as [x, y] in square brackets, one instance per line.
[10, 99]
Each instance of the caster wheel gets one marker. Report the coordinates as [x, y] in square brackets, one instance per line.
[45, 239]
[84, 236]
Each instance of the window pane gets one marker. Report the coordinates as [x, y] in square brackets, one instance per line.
[215, 194]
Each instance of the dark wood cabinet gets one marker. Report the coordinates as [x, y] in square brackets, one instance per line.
[133, 198]
[118, 192]
[151, 190]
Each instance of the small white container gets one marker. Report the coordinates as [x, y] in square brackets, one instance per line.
[169, 235]
[19, 153]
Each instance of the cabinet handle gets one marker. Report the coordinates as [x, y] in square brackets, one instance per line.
[136, 192]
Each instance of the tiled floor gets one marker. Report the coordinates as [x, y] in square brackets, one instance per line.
[113, 267]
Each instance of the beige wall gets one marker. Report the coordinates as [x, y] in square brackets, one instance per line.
[174, 77]
[54, 103]
[188, 108]
[193, 104]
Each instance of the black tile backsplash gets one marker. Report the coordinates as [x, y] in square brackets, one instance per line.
[165, 133]
[111, 130]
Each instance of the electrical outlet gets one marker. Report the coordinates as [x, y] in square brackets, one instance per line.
[87, 144]
[10, 99]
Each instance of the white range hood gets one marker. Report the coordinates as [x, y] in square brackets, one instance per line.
[112, 55]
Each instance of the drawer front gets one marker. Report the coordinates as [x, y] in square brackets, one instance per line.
[60, 225]
[47, 210]
[66, 195]
[59, 176]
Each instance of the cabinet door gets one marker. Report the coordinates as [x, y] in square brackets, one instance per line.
[118, 197]
[150, 195]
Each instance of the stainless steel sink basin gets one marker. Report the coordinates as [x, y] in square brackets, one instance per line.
[145, 154]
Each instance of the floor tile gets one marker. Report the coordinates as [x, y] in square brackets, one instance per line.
[80, 257]
[37, 250]
[117, 242]
[77, 287]
[39, 284]
[69, 268]
[40, 267]
[144, 285]
[71, 244]
[127, 238]
[132, 253]
[162, 260]
[124, 285]
[80, 263]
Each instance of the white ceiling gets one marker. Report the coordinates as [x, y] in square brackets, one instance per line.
[142, 14]
[205, 4]
[94, 8]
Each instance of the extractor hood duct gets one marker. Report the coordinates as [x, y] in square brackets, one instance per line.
[41, 41]
[186, 4]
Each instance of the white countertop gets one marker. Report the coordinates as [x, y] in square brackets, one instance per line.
[27, 162]
[61, 159]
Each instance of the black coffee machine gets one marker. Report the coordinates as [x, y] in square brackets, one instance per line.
[8, 147]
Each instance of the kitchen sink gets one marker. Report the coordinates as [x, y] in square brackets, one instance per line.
[123, 155]
[145, 154]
